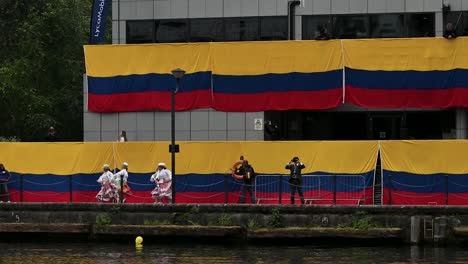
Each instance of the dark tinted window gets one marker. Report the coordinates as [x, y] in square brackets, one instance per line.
[172, 30]
[311, 26]
[370, 26]
[387, 26]
[140, 31]
[420, 25]
[206, 30]
[352, 27]
[239, 29]
[273, 28]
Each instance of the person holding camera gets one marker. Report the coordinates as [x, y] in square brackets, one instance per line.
[246, 174]
[295, 178]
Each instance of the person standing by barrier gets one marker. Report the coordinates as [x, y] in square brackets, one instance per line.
[295, 178]
[163, 179]
[246, 174]
[108, 191]
[122, 175]
[5, 177]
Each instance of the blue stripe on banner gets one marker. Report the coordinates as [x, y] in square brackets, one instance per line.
[251, 84]
[407, 79]
[432, 183]
[148, 83]
[191, 182]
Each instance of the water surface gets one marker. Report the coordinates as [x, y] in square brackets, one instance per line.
[51, 253]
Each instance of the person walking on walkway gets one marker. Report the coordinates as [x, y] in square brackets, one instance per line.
[5, 177]
[295, 178]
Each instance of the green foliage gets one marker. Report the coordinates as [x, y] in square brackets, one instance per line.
[103, 219]
[190, 217]
[253, 224]
[360, 221]
[42, 66]
[9, 139]
[156, 222]
[276, 220]
[224, 220]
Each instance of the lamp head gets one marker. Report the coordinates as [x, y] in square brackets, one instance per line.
[178, 73]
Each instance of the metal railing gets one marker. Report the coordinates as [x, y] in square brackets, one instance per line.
[316, 188]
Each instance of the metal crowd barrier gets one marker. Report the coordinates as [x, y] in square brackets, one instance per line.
[317, 189]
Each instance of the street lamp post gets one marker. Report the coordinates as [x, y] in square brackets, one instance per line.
[178, 74]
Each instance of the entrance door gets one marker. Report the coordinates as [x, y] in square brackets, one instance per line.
[384, 126]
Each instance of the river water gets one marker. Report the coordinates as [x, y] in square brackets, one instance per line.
[52, 253]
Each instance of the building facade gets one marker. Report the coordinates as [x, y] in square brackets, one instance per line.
[162, 21]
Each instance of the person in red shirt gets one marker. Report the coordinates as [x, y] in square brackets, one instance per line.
[5, 177]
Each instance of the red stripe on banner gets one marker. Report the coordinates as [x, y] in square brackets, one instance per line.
[412, 198]
[312, 100]
[312, 197]
[146, 101]
[407, 98]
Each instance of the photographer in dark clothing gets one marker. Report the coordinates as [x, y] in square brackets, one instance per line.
[295, 178]
[246, 174]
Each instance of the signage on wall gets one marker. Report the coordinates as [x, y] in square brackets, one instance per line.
[258, 124]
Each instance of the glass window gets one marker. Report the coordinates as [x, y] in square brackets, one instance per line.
[274, 28]
[351, 27]
[420, 25]
[206, 30]
[387, 26]
[172, 30]
[239, 29]
[311, 26]
[140, 31]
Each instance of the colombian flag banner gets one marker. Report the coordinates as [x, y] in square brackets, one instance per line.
[67, 172]
[425, 172]
[404, 73]
[282, 75]
[124, 78]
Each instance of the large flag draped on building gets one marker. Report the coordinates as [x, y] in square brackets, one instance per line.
[64, 172]
[404, 73]
[280, 75]
[425, 172]
[124, 78]
[257, 76]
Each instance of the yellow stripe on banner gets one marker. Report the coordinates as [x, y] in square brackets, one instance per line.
[254, 58]
[55, 158]
[418, 54]
[352, 157]
[266, 157]
[121, 60]
[425, 157]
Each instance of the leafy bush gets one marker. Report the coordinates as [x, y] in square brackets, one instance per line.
[103, 219]
[224, 220]
[276, 220]
[9, 139]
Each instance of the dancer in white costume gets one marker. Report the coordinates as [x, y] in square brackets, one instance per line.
[122, 175]
[163, 180]
[108, 191]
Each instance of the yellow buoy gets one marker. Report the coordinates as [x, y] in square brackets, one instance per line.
[138, 240]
